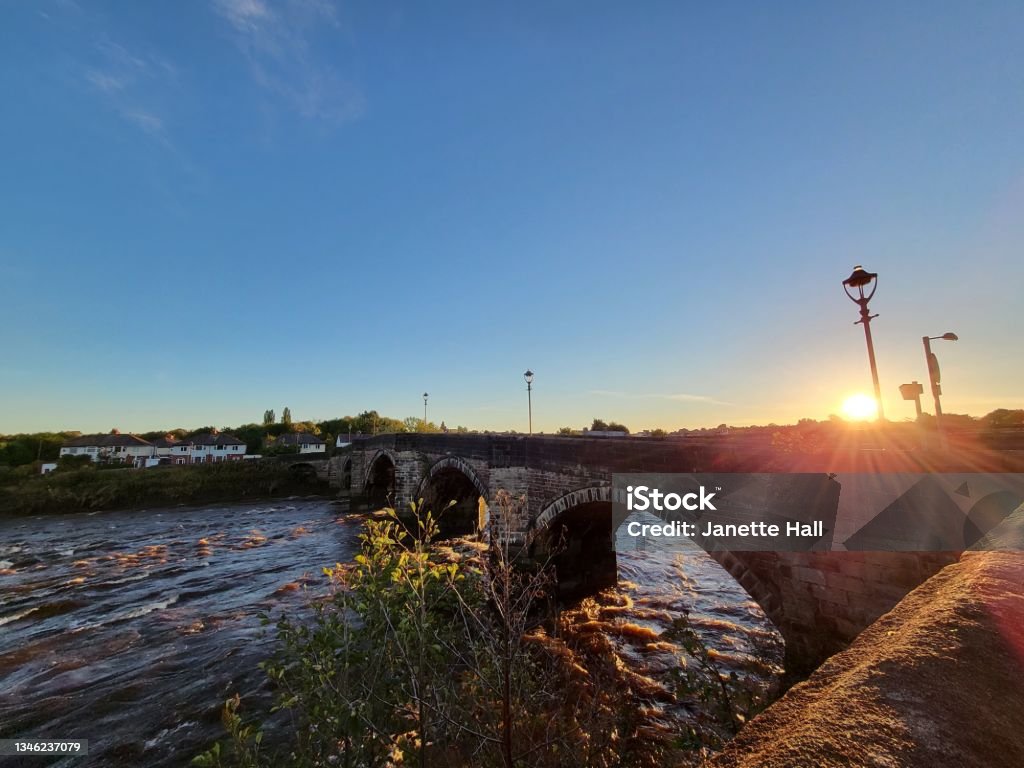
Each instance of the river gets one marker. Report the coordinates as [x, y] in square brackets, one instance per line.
[130, 629]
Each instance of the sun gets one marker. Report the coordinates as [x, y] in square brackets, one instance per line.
[860, 407]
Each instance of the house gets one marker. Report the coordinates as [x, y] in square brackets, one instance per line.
[305, 442]
[128, 449]
[164, 446]
[131, 449]
[209, 448]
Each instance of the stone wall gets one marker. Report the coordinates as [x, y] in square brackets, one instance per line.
[823, 600]
[935, 682]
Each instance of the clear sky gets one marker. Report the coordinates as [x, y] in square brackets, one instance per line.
[214, 208]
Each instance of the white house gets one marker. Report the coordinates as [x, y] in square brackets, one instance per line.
[131, 449]
[305, 442]
[128, 449]
[210, 448]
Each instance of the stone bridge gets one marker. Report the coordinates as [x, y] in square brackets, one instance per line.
[819, 600]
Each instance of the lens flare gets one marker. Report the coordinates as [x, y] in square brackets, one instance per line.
[860, 407]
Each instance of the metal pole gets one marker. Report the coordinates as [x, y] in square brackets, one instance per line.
[932, 363]
[529, 404]
[931, 377]
[865, 319]
[917, 407]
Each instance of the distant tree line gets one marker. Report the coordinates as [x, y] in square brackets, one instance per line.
[27, 448]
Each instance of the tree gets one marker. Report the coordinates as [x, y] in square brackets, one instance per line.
[1004, 417]
[16, 450]
[252, 436]
[372, 423]
[565, 431]
[269, 417]
[598, 426]
[414, 424]
[336, 426]
[286, 417]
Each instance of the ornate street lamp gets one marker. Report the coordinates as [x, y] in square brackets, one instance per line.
[529, 395]
[425, 396]
[860, 286]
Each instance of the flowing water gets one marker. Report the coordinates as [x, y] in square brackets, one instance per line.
[130, 629]
[661, 582]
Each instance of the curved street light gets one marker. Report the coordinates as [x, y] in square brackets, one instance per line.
[860, 286]
[934, 374]
[529, 396]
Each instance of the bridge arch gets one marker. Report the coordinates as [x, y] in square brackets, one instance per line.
[455, 463]
[379, 479]
[601, 497]
[304, 470]
[378, 454]
[592, 494]
[452, 479]
[575, 532]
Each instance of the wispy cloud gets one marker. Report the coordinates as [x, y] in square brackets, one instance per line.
[245, 15]
[682, 397]
[279, 47]
[151, 124]
[104, 81]
[131, 83]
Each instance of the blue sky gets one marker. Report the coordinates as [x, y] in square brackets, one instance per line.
[227, 206]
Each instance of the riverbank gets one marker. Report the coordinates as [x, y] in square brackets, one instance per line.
[90, 489]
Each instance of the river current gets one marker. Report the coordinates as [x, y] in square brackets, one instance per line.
[130, 629]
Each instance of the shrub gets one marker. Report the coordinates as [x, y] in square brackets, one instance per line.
[421, 659]
[85, 489]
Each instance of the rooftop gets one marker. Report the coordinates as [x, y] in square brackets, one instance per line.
[104, 441]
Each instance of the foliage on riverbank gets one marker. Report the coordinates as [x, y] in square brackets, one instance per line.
[89, 489]
[428, 658]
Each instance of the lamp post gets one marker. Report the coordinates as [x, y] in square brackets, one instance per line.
[860, 286]
[529, 396]
[935, 376]
[425, 396]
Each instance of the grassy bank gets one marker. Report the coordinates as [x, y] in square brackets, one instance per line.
[89, 489]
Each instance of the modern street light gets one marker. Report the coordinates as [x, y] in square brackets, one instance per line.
[860, 286]
[934, 375]
[425, 396]
[529, 395]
